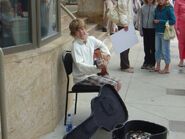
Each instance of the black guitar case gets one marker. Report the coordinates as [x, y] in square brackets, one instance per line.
[108, 111]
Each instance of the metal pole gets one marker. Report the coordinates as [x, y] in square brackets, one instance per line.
[2, 98]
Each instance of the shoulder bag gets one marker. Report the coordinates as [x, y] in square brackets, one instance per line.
[169, 32]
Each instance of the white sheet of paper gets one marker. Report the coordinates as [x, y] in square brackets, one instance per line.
[122, 40]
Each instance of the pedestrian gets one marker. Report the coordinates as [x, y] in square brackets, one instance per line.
[164, 12]
[6, 24]
[44, 17]
[180, 29]
[136, 13]
[84, 69]
[125, 11]
[108, 25]
[147, 30]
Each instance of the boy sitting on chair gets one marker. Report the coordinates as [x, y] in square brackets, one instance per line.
[85, 69]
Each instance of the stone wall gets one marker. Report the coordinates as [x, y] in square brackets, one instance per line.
[93, 9]
[35, 84]
[0, 130]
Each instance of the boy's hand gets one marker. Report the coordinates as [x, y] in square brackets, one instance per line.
[101, 64]
[106, 57]
[125, 28]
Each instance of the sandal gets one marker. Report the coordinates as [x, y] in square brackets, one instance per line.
[156, 70]
[180, 65]
[164, 72]
[129, 70]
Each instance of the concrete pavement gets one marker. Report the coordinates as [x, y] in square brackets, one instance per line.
[148, 95]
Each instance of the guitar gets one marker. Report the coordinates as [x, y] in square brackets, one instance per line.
[108, 111]
[98, 58]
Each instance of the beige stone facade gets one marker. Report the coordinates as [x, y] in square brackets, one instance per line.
[0, 131]
[35, 85]
[93, 9]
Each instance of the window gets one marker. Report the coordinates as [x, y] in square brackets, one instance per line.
[26, 24]
[14, 23]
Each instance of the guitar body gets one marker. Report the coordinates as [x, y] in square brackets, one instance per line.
[98, 55]
[108, 111]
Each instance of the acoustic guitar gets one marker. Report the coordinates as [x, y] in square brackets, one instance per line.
[108, 111]
[98, 56]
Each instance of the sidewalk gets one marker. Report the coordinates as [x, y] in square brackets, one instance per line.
[148, 95]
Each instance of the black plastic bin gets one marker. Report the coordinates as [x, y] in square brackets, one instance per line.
[157, 131]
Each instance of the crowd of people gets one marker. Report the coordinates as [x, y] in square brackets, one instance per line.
[151, 23]
[150, 18]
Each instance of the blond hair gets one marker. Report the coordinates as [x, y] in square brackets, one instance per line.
[75, 25]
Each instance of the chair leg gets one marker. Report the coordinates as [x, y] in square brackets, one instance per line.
[66, 107]
[76, 97]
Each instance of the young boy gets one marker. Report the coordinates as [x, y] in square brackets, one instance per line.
[83, 47]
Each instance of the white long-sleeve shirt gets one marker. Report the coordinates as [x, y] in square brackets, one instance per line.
[82, 53]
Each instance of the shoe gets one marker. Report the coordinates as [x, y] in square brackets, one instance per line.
[144, 66]
[150, 68]
[180, 65]
[164, 71]
[156, 70]
[129, 70]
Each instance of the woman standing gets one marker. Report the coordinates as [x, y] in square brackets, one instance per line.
[125, 13]
[180, 25]
[163, 13]
[147, 30]
[108, 26]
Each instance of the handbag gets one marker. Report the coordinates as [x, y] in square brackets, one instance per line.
[169, 32]
[113, 15]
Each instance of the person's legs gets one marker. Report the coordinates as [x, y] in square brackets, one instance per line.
[158, 50]
[101, 80]
[166, 55]
[152, 47]
[146, 48]
[181, 46]
[124, 61]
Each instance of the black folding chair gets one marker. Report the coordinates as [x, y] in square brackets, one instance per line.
[77, 88]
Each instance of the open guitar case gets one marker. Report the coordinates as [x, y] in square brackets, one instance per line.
[109, 112]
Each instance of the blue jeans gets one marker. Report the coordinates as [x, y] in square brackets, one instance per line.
[162, 48]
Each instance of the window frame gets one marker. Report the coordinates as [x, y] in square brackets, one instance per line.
[35, 34]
